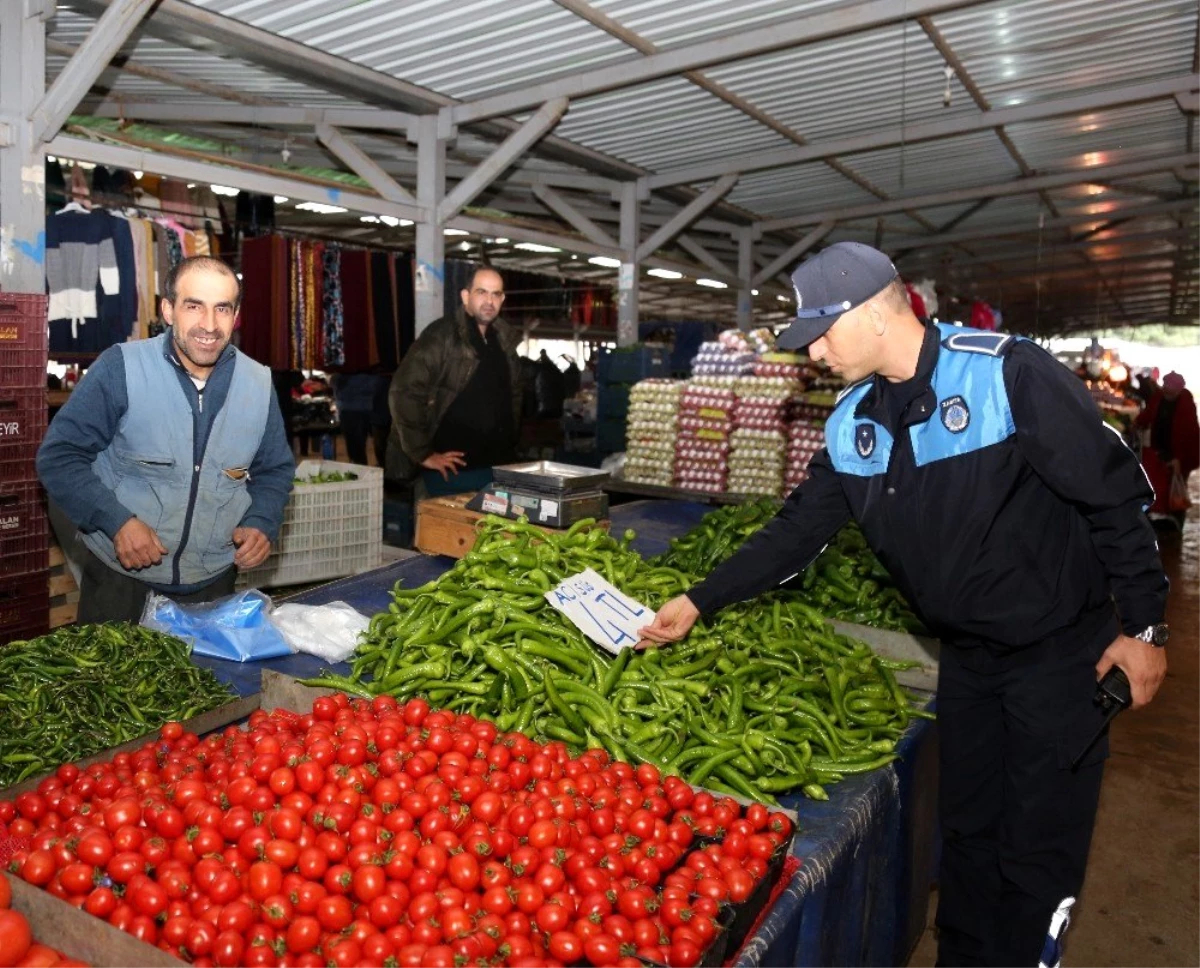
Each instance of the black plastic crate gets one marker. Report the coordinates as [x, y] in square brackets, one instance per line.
[744, 915]
[633, 364]
[22, 423]
[24, 528]
[24, 605]
[716, 953]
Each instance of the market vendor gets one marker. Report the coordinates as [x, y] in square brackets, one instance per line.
[456, 397]
[170, 456]
[1013, 520]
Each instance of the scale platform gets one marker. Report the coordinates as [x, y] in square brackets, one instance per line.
[545, 492]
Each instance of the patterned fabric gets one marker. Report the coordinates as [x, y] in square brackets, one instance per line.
[332, 322]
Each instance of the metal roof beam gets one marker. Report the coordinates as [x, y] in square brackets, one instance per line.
[972, 235]
[261, 115]
[792, 253]
[260, 181]
[87, 64]
[515, 145]
[1020, 186]
[362, 165]
[572, 216]
[929, 130]
[685, 216]
[700, 253]
[803, 29]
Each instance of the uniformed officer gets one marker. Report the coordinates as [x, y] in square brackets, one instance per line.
[1012, 519]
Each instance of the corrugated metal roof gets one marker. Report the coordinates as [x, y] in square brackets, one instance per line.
[849, 85]
[462, 49]
[665, 124]
[792, 191]
[1143, 130]
[1020, 50]
[688, 21]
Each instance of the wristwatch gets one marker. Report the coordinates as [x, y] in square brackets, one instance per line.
[1155, 635]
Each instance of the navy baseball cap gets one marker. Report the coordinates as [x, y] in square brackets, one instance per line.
[834, 281]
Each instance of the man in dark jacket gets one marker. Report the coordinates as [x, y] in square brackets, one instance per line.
[170, 457]
[456, 397]
[1012, 519]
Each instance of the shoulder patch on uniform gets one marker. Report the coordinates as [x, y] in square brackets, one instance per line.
[989, 344]
[849, 390]
[956, 416]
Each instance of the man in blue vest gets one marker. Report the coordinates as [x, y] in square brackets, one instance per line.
[170, 456]
[1013, 520]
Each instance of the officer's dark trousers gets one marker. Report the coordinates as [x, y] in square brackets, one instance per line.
[1016, 821]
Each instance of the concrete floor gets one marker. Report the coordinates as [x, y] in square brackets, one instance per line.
[1141, 898]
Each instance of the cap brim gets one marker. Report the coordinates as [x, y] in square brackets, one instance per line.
[803, 331]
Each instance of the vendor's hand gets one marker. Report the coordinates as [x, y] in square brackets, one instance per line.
[673, 621]
[1144, 666]
[252, 548]
[447, 463]
[137, 545]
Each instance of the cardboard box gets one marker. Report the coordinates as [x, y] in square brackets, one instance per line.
[446, 527]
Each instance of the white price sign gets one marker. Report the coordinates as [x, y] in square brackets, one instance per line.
[599, 611]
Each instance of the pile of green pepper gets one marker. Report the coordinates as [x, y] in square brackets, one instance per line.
[846, 581]
[764, 698]
[85, 688]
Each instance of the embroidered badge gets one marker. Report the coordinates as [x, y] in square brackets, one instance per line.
[864, 440]
[955, 415]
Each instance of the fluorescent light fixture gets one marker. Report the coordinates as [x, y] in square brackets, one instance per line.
[712, 283]
[535, 247]
[138, 175]
[455, 232]
[500, 241]
[280, 199]
[664, 273]
[320, 208]
[753, 292]
[465, 246]
[51, 159]
[223, 190]
[605, 260]
[782, 298]
[369, 218]
[191, 184]
[389, 220]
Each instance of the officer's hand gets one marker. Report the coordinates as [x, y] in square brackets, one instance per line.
[252, 548]
[1144, 666]
[673, 621]
[447, 464]
[137, 545]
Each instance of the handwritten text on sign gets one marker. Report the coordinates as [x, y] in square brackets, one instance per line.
[603, 614]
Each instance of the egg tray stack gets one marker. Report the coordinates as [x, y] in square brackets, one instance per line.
[806, 436]
[706, 410]
[650, 431]
[758, 444]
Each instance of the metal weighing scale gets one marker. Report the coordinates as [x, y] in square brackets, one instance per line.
[545, 492]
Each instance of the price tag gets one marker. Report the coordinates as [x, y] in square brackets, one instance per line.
[599, 611]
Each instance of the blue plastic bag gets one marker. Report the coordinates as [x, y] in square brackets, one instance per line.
[235, 628]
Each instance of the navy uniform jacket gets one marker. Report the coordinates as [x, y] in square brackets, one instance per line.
[1004, 508]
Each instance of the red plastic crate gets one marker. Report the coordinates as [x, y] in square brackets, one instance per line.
[22, 340]
[24, 529]
[22, 423]
[24, 605]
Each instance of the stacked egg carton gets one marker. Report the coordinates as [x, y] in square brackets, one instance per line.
[650, 431]
[758, 445]
[706, 410]
[806, 436]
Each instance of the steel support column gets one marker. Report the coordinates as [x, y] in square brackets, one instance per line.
[22, 159]
[431, 243]
[745, 303]
[628, 274]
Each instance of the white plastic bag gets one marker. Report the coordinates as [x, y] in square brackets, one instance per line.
[329, 632]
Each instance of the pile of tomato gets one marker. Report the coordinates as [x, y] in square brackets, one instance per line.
[18, 948]
[373, 833]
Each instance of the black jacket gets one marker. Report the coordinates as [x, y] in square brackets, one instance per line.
[999, 541]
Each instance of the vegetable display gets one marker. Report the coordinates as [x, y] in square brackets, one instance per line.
[378, 833]
[846, 581]
[18, 946]
[85, 688]
[327, 477]
[763, 698]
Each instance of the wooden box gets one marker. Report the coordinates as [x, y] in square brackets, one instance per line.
[446, 527]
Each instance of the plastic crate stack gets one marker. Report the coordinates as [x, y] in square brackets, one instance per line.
[806, 436]
[650, 433]
[706, 410]
[616, 372]
[24, 530]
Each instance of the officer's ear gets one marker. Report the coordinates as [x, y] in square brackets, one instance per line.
[876, 317]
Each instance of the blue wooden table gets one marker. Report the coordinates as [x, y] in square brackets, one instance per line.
[861, 893]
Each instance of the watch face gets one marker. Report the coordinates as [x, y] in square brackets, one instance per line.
[1159, 635]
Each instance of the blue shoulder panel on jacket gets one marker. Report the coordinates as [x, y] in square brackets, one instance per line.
[973, 410]
[857, 446]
